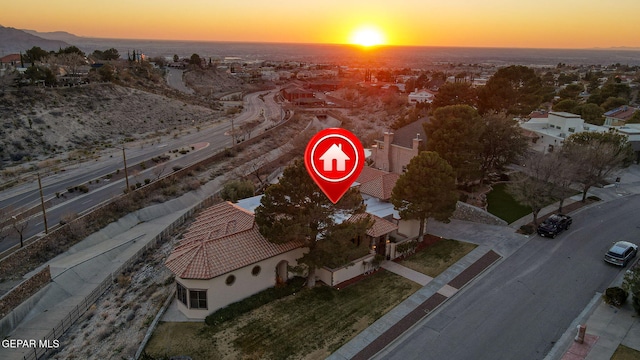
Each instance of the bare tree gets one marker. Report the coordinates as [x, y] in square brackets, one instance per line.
[20, 224]
[532, 187]
[158, 170]
[248, 127]
[563, 176]
[598, 156]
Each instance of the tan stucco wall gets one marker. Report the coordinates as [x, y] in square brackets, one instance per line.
[219, 294]
[409, 228]
[333, 277]
[393, 158]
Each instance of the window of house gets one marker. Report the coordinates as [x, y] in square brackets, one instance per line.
[256, 270]
[198, 299]
[572, 130]
[230, 280]
[181, 293]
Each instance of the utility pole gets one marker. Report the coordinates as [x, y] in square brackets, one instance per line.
[233, 135]
[126, 173]
[44, 212]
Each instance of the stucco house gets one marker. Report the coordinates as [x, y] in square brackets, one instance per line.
[421, 96]
[393, 152]
[551, 131]
[223, 258]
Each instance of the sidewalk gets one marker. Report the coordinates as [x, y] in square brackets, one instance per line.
[607, 327]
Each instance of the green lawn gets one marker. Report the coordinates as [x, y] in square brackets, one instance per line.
[436, 258]
[504, 206]
[625, 353]
[310, 324]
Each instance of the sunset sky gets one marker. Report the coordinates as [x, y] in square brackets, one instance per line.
[487, 23]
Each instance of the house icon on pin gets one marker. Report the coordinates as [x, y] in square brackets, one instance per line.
[334, 153]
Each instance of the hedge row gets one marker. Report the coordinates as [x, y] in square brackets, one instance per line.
[255, 301]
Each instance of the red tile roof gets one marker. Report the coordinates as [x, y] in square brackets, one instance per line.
[10, 58]
[222, 239]
[377, 183]
[380, 226]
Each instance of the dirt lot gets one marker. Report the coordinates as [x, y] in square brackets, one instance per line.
[114, 327]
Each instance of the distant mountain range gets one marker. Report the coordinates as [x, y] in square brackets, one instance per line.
[13, 41]
[56, 35]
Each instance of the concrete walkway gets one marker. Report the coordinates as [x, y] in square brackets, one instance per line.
[407, 273]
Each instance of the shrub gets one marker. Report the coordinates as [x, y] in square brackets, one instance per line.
[235, 190]
[615, 296]
[527, 229]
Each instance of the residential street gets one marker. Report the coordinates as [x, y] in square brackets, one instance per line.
[522, 306]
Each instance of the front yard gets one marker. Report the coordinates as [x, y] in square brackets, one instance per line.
[501, 204]
[310, 324]
[438, 257]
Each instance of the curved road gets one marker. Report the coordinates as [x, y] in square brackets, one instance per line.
[523, 306]
[27, 195]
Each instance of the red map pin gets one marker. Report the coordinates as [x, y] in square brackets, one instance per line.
[334, 159]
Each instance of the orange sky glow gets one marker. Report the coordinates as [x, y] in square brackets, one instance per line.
[488, 23]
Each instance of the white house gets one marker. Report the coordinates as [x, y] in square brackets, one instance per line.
[421, 96]
[223, 258]
[551, 131]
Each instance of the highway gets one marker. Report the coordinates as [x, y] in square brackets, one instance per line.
[521, 308]
[215, 134]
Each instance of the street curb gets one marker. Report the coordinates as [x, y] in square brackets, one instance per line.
[562, 345]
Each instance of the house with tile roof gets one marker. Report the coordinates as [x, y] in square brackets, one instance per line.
[376, 187]
[394, 151]
[223, 258]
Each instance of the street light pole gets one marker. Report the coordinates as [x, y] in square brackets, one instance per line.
[44, 212]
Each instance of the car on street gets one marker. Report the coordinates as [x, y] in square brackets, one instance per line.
[554, 225]
[621, 253]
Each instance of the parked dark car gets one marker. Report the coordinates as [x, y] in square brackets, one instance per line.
[554, 225]
[621, 253]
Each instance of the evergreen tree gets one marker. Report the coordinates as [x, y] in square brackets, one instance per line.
[454, 133]
[427, 189]
[295, 209]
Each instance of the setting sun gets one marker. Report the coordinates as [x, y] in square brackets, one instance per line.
[367, 36]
